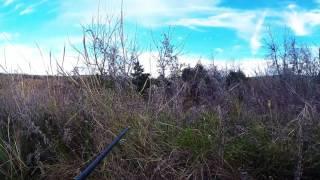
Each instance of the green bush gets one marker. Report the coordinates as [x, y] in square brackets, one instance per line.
[194, 141]
[256, 153]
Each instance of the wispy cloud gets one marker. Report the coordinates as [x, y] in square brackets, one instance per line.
[7, 2]
[31, 8]
[302, 21]
[193, 14]
[241, 21]
[151, 13]
[247, 24]
[27, 10]
[255, 43]
[218, 50]
[18, 6]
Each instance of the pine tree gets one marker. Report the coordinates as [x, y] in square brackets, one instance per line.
[139, 78]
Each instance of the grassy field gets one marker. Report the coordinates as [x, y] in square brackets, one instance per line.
[256, 128]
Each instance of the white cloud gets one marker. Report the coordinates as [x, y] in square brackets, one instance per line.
[156, 12]
[147, 13]
[218, 50]
[31, 8]
[247, 24]
[22, 58]
[18, 6]
[255, 39]
[149, 62]
[252, 66]
[297, 24]
[27, 10]
[227, 18]
[312, 18]
[191, 13]
[302, 22]
[194, 14]
[7, 2]
[292, 6]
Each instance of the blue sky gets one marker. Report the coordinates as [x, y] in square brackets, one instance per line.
[229, 30]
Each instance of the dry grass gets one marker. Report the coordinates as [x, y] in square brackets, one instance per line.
[51, 128]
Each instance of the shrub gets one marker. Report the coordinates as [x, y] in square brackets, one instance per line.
[235, 77]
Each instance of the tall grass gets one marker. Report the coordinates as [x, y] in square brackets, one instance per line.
[52, 128]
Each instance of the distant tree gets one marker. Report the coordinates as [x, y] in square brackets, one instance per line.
[168, 57]
[235, 77]
[106, 50]
[215, 73]
[290, 57]
[187, 74]
[198, 85]
[194, 74]
[140, 79]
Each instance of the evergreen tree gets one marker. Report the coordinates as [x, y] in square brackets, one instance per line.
[139, 78]
[235, 77]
